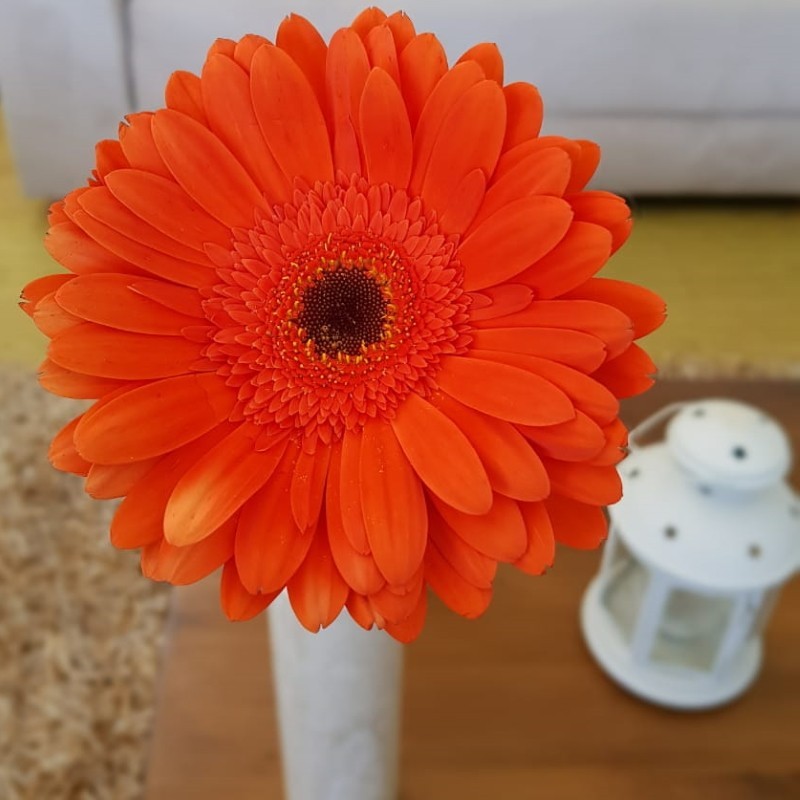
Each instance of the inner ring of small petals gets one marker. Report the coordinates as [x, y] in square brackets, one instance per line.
[335, 307]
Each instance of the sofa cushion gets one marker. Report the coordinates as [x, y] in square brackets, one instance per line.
[685, 96]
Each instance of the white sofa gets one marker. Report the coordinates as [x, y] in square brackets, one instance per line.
[685, 96]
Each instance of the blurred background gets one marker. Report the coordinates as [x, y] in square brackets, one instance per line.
[696, 105]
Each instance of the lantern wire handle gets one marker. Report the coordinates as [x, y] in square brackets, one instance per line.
[651, 422]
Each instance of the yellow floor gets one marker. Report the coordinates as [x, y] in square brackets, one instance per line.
[730, 273]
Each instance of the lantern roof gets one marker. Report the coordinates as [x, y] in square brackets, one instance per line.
[729, 444]
[709, 504]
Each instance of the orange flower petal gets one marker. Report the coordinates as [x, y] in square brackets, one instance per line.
[56, 213]
[499, 301]
[226, 92]
[410, 628]
[360, 610]
[584, 166]
[167, 208]
[542, 172]
[109, 156]
[402, 29]
[358, 569]
[613, 452]
[221, 46]
[285, 103]
[541, 551]
[139, 519]
[503, 391]
[302, 41]
[63, 454]
[573, 348]
[500, 534]
[456, 593]
[269, 545]
[628, 374]
[595, 486]
[575, 440]
[603, 321]
[246, 48]
[177, 298]
[442, 456]
[578, 256]
[346, 72]
[586, 394]
[349, 484]
[217, 486]
[37, 290]
[106, 482]
[368, 19]
[576, 524]
[106, 353]
[186, 407]
[66, 383]
[382, 52]
[524, 114]
[644, 308]
[513, 467]
[109, 299]
[308, 486]
[487, 54]
[181, 566]
[385, 131]
[143, 256]
[470, 137]
[464, 204]
[138, 145]
[317, 591]
[395, 606]
[393, 503]
[513, 238]
[51, 319]
[513, 157]
[206, 170]
[183, 94]
[472, 565]
[101, 205]
[442, 100]
[237, 603]
[607, 210]
[422, 65]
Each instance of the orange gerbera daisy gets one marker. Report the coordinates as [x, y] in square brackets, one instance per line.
[336, 306]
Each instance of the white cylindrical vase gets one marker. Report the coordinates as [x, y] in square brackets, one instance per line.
[338, 696]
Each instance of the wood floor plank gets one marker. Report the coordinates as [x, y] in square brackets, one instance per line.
[508, 706]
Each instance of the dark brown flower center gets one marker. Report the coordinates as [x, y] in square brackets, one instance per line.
[343, 311]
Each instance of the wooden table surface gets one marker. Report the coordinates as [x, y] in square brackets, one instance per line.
[508, 706]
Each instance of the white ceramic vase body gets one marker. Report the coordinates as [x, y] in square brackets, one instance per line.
[338, 694]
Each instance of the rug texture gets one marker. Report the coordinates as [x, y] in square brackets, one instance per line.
[80, 629]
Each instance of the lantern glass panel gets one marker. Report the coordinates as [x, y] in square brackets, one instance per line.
[691, 629]
[763, 614]
[625, 586]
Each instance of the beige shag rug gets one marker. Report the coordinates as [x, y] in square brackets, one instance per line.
[80, 629]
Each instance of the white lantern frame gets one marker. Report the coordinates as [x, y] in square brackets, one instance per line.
[699, 546]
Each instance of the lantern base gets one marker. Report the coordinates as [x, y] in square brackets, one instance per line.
[677, 689]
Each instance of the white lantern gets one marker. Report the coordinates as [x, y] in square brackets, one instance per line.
[706, 533]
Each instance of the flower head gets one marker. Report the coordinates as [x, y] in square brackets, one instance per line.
[336, 306]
